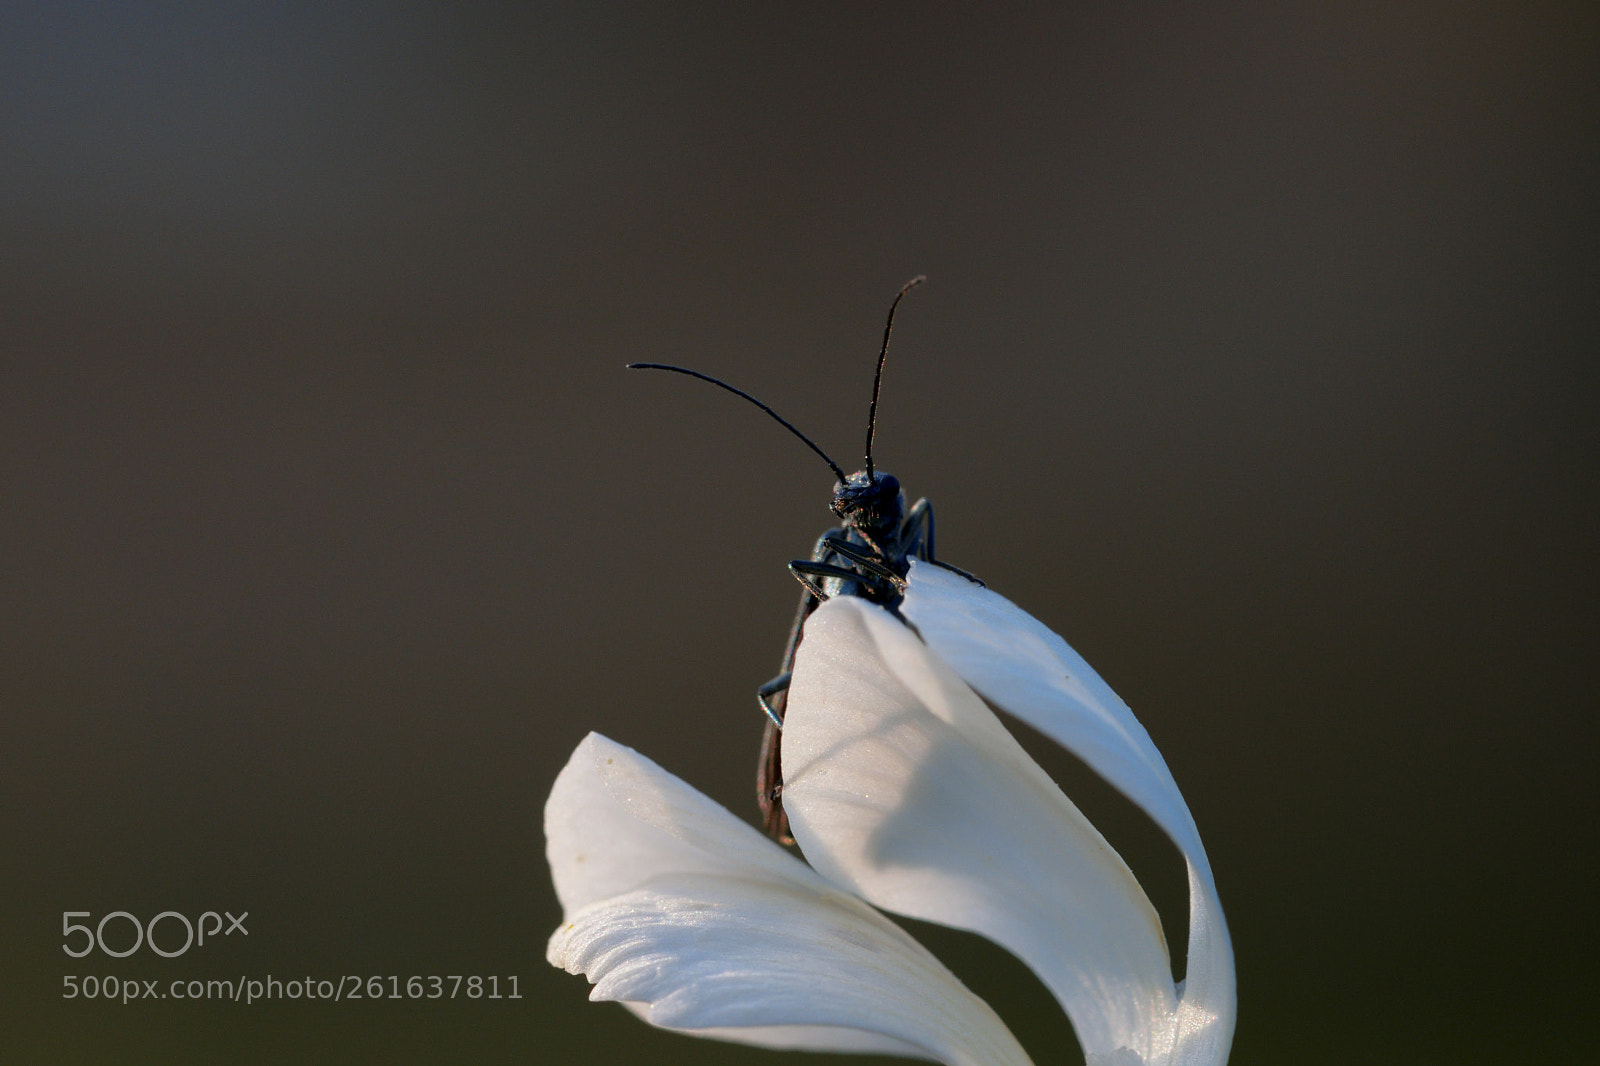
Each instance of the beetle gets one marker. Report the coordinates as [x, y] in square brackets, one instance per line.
[868, 555]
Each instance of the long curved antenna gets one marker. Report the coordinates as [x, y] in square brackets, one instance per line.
[877, 378]
[740, 392]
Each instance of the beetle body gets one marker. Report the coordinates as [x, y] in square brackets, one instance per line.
[867, 555]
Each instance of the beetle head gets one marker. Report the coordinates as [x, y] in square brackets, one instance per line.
[873, 504]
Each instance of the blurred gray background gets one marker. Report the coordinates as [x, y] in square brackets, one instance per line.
[1258, 358]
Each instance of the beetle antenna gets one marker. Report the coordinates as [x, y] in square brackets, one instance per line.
[877, 378]
[784, 422]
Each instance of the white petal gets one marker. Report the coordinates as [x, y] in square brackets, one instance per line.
[1018, 664]
[901, 785]
[699, 923]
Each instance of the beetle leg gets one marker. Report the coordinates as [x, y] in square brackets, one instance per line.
[804, 570]
[867, 562]
[766, 692]
[921, 520]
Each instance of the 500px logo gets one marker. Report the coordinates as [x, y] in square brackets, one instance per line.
[146, 933]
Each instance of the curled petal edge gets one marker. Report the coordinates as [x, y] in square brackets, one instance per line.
[1018, 664]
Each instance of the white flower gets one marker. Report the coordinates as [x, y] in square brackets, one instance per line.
[904, 790]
